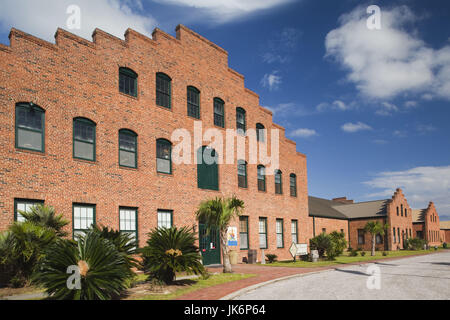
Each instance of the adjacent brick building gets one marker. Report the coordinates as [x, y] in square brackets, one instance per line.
[394, 212]
[86, 127]
[445, 231]
[427, 226]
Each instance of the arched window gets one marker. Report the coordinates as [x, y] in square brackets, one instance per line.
[84, 139]
[260, 132]
[261, 178]
[163, 90]
[193, 102]
[127, 148]
[128, 81]
[278, 182]
[30, 127]
[242, 174]
[207, 169]
[219, 112]
[293, 185]
[164, 156]
[241, 121]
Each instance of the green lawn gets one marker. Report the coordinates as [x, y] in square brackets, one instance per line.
[345, 259]
[193, 285]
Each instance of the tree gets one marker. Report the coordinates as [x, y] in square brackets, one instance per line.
[375, 228]
[320, 243]
[217, 214]
[169, 251]
[46, 217]
[103, 270]
[338, 243]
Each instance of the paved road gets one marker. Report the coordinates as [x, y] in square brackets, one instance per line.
[423, 277]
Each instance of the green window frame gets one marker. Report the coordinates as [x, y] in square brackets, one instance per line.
[128, 222]
[242, 174]
[243, 233]
[84, 135]
[278, 182]
[262, 228]
[128, 152]
[260, 132]
[193, 102]
[128, 83]
[219, 113]
[293, 184]
[165, 219]
[261, 178]
[241, 121]
[163, 90]
[83, 218]
[29, 127]
[294, 231]
[207, 172]
[163, 156]
[24, 205]
[279, 224]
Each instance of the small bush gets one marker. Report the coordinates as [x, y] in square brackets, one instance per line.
[320, 243]
[271, 257]
[363, 253]
[359, 249]
[169, 251]
[415, 244]
[444, 245]
[385, 254]
[353, 253]
[350, 249]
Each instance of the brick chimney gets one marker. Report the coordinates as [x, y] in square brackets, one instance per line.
[343, 200]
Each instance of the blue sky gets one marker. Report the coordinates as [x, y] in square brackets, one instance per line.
[370, 108]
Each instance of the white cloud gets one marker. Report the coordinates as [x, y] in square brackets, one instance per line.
[425, 128]
[335, 105]
[387, 109]
[355, 127]
[304, 133]
[42, 18]
[420, 185]
[391, 61]
[400, 134]
[227, 10]
[411, 104]
[271, 81]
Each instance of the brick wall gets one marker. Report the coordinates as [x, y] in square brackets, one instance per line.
[402, 221]
[330, 225]
[432, 226]
[360, 224]
[79, 78]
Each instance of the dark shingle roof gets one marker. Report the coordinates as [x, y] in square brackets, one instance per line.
[330, 209]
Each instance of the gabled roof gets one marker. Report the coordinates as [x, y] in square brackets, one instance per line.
[331, 209]
[323, 208]
[445, 225]
[418, 215]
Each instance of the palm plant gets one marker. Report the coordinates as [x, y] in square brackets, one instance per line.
[375, 228]
[169, 251]
[46, 217]
[103, 270]
[320, 243]
[125, 243]
[23, 246]
[217, 214]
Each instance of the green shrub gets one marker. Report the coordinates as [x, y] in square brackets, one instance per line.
[320, 243]
[350, 249]
[385, 254]
[271, 257]
[104, 272]
[363, 253]
[444, 245]
[354, 253]
[169, 251]
[45, 216]
[415, 244]
[337, 245]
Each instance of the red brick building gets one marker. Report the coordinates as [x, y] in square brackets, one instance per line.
[86, 127]
[427, 226]
[395, 212]
[445, 231]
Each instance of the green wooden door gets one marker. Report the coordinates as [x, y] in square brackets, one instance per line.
[209, 245]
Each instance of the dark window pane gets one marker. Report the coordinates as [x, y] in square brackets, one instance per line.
[128, 82]
[163, 90]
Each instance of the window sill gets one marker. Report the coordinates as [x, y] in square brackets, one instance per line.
[129, 96]
[128, 168]
[194, 118]
[164, 174]
[38, 153]
[164, 108]
[86, 161]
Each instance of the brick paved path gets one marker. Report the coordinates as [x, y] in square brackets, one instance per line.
[263, 274]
